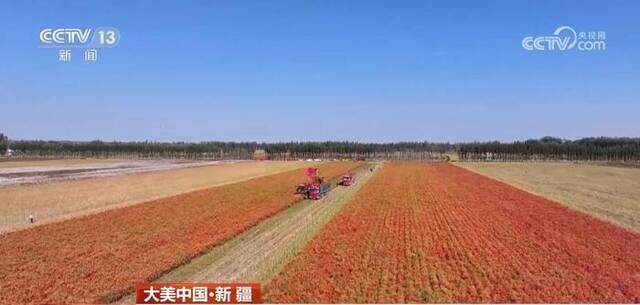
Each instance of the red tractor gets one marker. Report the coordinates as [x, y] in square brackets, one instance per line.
[315, 188]
[348, 180]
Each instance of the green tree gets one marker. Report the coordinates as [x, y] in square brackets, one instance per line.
[4, 143]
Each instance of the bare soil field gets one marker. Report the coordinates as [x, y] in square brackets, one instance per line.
[49, 172]
[609, 193]
[9, 163]
[60, 200]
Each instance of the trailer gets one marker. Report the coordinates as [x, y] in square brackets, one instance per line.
[348, 180]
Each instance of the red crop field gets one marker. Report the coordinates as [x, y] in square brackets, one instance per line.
[100, 257]
[439, 233]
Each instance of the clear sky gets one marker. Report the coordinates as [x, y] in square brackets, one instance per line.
[320, 70]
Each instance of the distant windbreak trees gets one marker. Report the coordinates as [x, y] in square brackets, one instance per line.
[232, 150]
[4, 144]
[544, 149]
[134, 150]
[554, 149]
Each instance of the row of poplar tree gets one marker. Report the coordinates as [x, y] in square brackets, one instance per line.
[547, 148]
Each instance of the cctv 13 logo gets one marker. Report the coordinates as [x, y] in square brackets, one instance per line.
[101, 37]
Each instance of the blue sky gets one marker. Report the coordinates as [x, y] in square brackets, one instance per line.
[376, 71]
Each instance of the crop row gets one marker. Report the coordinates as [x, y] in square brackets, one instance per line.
[100, 257]
[438, 233]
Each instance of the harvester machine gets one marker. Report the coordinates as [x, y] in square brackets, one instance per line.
[315, 188]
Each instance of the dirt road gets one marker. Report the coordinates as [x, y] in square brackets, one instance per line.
[260, 252]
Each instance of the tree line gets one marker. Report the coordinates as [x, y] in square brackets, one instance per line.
[547, 148]
[554, 149]
[228, 150]
[4, 142]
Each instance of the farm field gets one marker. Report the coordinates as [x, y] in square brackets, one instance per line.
[58, 172]
[440, 233]
[610, 193]
[10, 163]
[256, 254]
[59, 200]
[98, 258]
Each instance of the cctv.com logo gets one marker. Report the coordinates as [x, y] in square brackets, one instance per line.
[565, 38]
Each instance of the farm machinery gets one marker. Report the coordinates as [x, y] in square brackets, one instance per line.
[348, 180]
[315, 188]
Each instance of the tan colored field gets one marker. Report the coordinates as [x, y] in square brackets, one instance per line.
[610, 193]
[64, 199]
[57, 162]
